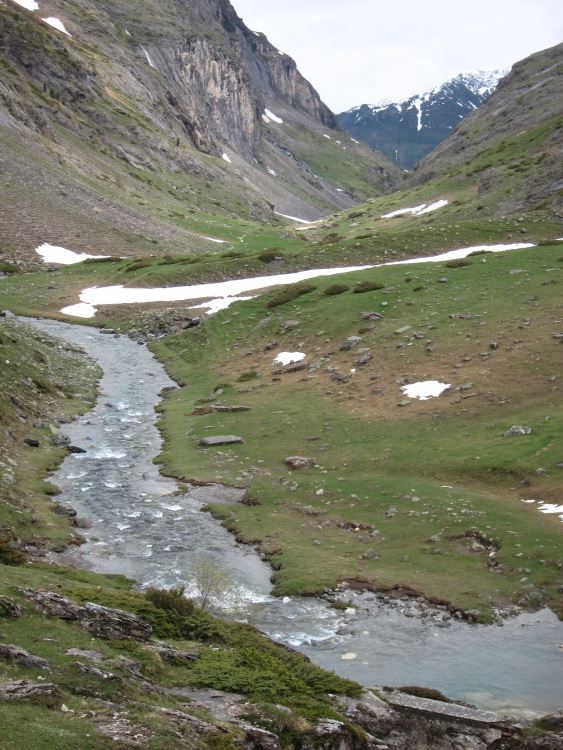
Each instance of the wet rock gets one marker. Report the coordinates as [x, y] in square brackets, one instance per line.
[75, 449]
[220, 440]
[83, 523]
[16, 655]
[299, 462]
[9, 607]
[517, 430]
[27, 690]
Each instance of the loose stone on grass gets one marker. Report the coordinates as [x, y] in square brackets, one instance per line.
[220, 440]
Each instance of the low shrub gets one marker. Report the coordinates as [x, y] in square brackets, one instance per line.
[269, 256]
[367, 286]
[289, 293]
[335, 289]
[458, 263]
[138, 264]
[9, 268]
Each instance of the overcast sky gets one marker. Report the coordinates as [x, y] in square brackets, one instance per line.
[362, 51]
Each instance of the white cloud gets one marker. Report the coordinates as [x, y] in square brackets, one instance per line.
[366, 50]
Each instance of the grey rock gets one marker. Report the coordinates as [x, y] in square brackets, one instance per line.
[102, 622]
[402, 329]
[80, 653]
[517, 430]
[27, 690]
[299, 462]
[10, 607]
[220, 440]
[114, 624]
[350, 343]
[16, 655]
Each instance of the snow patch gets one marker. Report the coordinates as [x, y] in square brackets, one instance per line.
[418, 106]
[425, 389]
[222, 303]
[433, 207]
[213, 239]
[271, 116]
[289, 358]
[272, 172]
[56, 23]
[417, 210]
[28, 4]
[401, 211]
[81, 310]
[148, 57]
[62, 256]
[227, 158]
[293, 218]
[119, 295]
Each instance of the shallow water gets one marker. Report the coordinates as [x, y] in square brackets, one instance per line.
[144, 528]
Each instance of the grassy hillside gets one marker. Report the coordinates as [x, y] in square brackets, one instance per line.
[433, 487]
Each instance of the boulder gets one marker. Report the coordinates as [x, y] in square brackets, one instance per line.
[102, 622]
[220, 440]
[114, 624]
[27, 690]
[517, 430]
[9, 607]
[17, 655]
[299, 462]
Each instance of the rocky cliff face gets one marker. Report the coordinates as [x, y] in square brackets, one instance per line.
[134, 106]
[408, 131]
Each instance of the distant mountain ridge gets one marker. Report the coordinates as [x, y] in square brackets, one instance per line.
[408, 131]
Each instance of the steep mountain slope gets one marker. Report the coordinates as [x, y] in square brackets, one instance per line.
[407, 131]
[146, 125]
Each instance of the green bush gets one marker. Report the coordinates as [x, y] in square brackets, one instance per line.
[458, 263]
[138, 264]
[289, 293]
[9, 268]
[367, 286]
[335, 289]
[269, 256]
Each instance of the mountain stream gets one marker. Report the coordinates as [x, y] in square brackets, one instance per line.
[145, 528]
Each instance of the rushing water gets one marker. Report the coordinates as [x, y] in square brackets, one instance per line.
[145, 528]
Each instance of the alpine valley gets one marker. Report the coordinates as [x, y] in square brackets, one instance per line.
[281, 423]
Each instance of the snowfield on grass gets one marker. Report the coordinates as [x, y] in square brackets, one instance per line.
[293, 218]
[213, 306]
[28, 4]
[57, 24]
[425, 389]
[417, 210]
[289, 358]
[62, 256]
[119, 295]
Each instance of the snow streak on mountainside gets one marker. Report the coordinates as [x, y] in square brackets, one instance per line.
[407, 131]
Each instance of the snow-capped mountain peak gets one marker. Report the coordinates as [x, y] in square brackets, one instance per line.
[407, 131]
